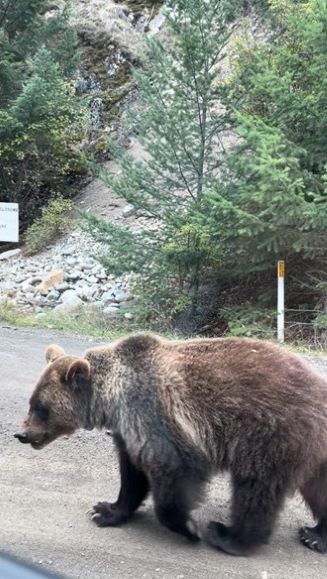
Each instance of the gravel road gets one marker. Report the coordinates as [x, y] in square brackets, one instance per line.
[44, 498]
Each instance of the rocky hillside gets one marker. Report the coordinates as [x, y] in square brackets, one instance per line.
[64, 274]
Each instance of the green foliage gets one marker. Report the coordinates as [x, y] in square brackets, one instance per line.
[320, 321]
[52, 222]
[249, 322]
[135, 252]
[157, 300]
[41, 118]
[180, 128]
[271, 200]
[9, 314]
[230, 214]
[283, 82]
[158, 296]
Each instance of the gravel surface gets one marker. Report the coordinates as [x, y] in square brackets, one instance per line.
[45, 496]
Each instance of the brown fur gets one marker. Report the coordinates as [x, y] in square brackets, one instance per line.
[182, 410]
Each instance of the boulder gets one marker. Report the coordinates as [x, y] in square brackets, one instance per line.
[86, 292]
[73, 275]
[53, 295]
[70, 298]
[129, 210]
[111, 310]
[69, 250]
[52, 279]
[11, 253]
[128, 316]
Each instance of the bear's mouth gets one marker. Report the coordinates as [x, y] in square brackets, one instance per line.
[38, 444]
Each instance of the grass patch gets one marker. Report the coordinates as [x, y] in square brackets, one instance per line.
[315, 349]
[82, 321]
[88, 321]
[10, 315]
[91, 321]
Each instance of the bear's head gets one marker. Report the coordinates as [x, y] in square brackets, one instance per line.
[60, 402]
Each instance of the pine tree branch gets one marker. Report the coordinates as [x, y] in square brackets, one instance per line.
[222, 46]
[9, 5]
[171, 142]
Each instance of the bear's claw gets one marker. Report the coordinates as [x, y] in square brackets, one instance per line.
[108, 515]
[312, 539]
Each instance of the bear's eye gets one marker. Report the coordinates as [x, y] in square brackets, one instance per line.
[41, 411]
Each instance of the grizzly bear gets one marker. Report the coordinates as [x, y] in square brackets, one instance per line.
[181, 410]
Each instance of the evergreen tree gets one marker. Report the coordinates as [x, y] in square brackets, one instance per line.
[180, 126]
[229, 215]
[271, 200]
[40, 116]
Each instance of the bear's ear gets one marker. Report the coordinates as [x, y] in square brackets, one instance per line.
[78, 369]
[53, 352]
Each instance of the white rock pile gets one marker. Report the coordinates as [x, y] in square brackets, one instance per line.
[61, 277]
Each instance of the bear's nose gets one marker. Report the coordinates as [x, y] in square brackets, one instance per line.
[22, 437]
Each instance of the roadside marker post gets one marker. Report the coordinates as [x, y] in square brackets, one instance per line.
[9, 222]
[280, 300]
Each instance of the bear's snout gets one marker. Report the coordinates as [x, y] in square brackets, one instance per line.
[22, 437]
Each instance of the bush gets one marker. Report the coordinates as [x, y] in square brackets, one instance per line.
[46, 228]
[250, 322]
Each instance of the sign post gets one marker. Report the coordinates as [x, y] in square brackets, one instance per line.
[9, 222]
[280, 300]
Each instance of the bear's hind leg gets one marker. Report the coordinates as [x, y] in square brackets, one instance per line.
[315, 494]
[134, 488]
[255, 506]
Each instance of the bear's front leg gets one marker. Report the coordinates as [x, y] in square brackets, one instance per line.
[134, 488]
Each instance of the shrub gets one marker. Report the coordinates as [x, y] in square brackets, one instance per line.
[248, 321]
[52, 222]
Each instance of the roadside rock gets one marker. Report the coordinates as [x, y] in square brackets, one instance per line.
[128, 316]
[73, 275]
[40, 282]
[86, 292]
[70, 298]
[107, 297]
[69, 250]
[61, 287]
[11, 253]
[111, 310]
[129, 210]
[27, 287]
[120, 295]
[54, 278]
[53, 295]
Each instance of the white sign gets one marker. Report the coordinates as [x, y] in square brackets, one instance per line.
[9, 222]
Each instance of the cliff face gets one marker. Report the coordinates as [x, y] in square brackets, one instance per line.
[112, 37]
